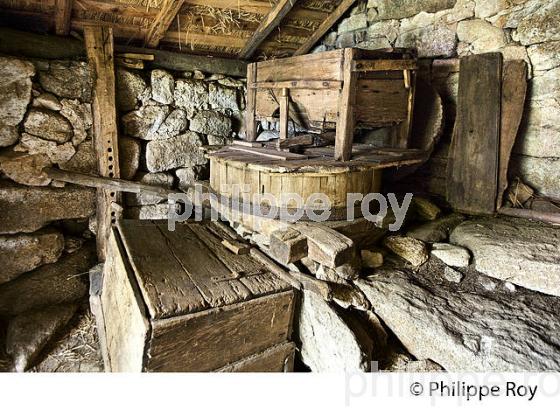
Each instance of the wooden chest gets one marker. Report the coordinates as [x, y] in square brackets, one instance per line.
[181, 301]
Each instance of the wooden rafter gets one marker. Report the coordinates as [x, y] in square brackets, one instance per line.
[269, 23]
[324, 27]
[161, 24]
[62, 15]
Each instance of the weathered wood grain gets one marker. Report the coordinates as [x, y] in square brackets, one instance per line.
[473, 155]
[267, 25]
[126, 325]
[277, 359]
[229, 333]
[514, 89]
[99, 46]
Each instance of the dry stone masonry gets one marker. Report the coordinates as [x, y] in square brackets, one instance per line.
[45, 121]
[168, 119]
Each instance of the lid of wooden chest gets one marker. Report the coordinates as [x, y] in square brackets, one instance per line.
[189, 270]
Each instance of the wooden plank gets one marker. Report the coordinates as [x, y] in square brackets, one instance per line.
[346, 102]
[384, 65]
[124, 314]
[269, 23]
[167, 288]
[304, 84]
[62, 15]
[277, 359]
[473, 155]
[324, 27]
[514, 89]
[250, 122]
[284, 113]
[216, 282]
[99, 47]
[324, 66]
[161, 24]
[269, 153]
[176, 346]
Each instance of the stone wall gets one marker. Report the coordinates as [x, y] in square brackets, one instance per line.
[45, 244]
[443, 30]
[167, 119]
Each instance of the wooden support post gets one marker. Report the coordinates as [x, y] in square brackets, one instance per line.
[99, 47]
[346, 101]
[401, 134]
[284, 113]
[62, 15]
[250, 124]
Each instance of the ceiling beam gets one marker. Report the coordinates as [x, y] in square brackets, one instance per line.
[62, 14]
[162, 22]
[269, 23]
[325, 26]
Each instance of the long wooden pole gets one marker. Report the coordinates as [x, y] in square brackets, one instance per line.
[99, 47]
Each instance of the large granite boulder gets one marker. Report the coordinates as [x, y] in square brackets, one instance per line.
[25, 168]
[175, 123]
[27, 209]
[211, 122]
[80, 116]
[15, 90]
[328, 344]
[24, 252]
[84, 160]
[131, 88]
[464, 327]
[178, 152]
[522, 252]
[145, 122]
[48, 125]
[191, 95]
[543, 174]
[60, 282]
[163, 86]
[130, 151]
[431, 41]
[30, 332]
[221, 97]
[479, 36]
[57, 153]
[391, 9]
[541, 25]
[9, 135]
[68, 79]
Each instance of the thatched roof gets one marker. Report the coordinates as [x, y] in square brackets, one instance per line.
[209, 27]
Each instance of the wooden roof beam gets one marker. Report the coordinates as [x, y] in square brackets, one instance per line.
[324, 27]
[162, 22]
[269, 23]
[62, 15]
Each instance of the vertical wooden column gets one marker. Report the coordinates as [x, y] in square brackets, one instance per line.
[401, 134]
[250, 124]
[284, 113]
[346, 101]
[99, 46]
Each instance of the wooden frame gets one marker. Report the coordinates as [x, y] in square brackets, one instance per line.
[343, 88]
